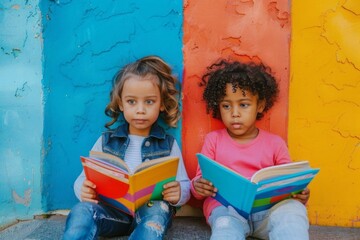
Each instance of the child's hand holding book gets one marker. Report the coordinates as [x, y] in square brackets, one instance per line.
[88, 192]
[303, 196]
[205, 188]
[172, 192]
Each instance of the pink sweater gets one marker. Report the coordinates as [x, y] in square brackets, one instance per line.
[265, 150]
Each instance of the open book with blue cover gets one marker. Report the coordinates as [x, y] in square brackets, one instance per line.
[267, 186]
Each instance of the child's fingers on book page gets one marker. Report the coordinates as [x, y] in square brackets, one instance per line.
[172, 197]
[306, 191]
[88, 195]
[203, 181]
[303, 196]
[205, 193]
[171, 189]
[89, 184]
[171, 192]
[204, 187]
[171, 184]
[87, 191]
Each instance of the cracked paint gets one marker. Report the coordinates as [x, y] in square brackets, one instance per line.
[15, 52]
[23, 91]
[236, 29]
[282, 17]
[26, 200]
[21, 110]
[352, 5]
[337, 28]
[97, 38]
[325, 105]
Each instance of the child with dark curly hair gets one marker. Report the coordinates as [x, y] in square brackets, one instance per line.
[239, 94]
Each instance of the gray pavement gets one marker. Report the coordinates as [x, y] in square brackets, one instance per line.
[183, 228]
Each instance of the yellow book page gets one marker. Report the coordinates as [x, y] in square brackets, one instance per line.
[155, 174]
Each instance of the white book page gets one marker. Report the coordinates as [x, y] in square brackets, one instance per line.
[278, 170]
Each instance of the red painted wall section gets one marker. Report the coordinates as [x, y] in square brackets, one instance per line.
[257, 30]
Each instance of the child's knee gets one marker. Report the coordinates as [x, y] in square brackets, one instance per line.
[154, 217]
[226, 223]
[289, 211]
[229, 227]
[288, 220]
[155, 208]
[83, 208]
[79, 221]
[223, 222]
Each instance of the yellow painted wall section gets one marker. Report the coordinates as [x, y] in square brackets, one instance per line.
[324, 105]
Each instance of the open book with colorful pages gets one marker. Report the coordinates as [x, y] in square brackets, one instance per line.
[267, 186]
[117, 186]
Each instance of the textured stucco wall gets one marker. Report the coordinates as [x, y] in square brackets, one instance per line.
[324, 115]
[21, 111]
[85, 43]
[70, 50]
[257, 30]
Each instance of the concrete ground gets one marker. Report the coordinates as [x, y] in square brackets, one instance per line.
[184, 228]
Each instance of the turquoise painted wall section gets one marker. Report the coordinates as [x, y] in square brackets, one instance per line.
[57, 60]
[21, 110]
[84, 45]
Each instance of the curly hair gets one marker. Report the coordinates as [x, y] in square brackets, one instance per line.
[149, 65]
[252, 77]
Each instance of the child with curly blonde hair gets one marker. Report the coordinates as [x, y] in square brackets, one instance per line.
[142, 91]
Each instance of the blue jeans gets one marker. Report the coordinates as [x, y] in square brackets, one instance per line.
[286, 220]
[89, 220]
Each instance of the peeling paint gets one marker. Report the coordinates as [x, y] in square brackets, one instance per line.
[283, 18]
[241, 30]
[23, 91]
[21, 110]
[13, 52]
[239, 7]
[16, 6]
[337, 26]
[324, 92]
[26, 200]
[97, 38]
[325, 105]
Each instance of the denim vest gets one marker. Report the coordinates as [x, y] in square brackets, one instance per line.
[157, 144]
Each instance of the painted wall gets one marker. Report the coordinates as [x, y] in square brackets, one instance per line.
[84, 46]
[245, 30]
[325, 105]
[57, 59]
[21, 109]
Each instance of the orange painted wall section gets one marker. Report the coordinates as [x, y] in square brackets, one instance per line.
[257, 30]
